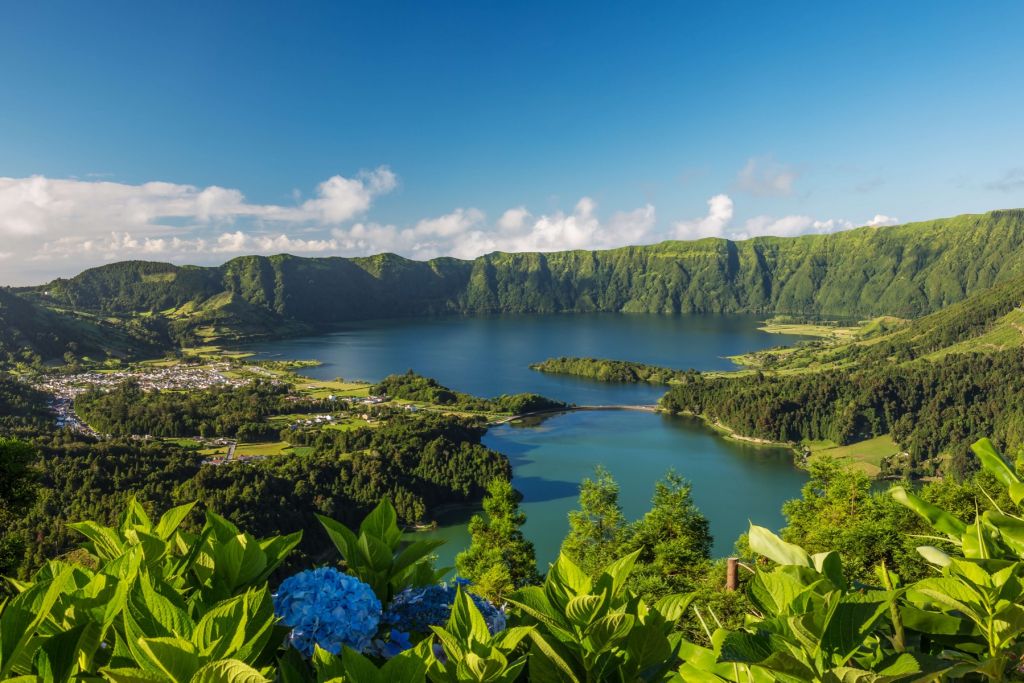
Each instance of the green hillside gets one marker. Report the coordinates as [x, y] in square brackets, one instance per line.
[30, 332]
[904, 271]
[929, 384]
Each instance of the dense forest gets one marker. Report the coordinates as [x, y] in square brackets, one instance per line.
[412, 387]
[419, 461]
[605, 370]
[418, 464]
[930, 408]
[904, 271]
[128, 410]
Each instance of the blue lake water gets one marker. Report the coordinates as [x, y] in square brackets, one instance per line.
[487, 356]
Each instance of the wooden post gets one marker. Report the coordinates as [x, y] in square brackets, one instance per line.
[731, 571]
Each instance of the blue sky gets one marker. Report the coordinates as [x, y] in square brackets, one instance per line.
[458, 128]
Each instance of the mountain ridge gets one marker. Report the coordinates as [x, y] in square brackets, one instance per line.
[908, 271]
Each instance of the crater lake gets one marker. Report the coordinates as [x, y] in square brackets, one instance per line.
[489, 356]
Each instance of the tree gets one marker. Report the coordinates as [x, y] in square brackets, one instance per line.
[839, 511]
[674, 541]
[598, 528]
[499, 558]
[17, 492]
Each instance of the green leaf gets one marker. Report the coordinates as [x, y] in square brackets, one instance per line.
[104, 540]
[672, 607]
[853, 619]
[382, 523]
[276, 551]
[375, 552]
[176, 657]
[774, 592]
[405, 667]
[57, 658]
[741, 646]
[327, 665]
[608, 630]
[933, 555]
[466, 621]
[359, 668]
[228, 671]
[24, 614]
[171, 520]
[619, 571]
[551, 660]
[126, 675]
[764, 542]
[413, 553]
[343, 539]
[993, 463]
[830, 565]
[583, 609]
[951, 594]
[533, 601]
[939, 519]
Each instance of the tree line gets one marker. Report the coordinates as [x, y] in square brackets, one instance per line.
[932, 409]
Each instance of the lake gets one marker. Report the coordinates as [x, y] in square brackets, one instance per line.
[487, 356]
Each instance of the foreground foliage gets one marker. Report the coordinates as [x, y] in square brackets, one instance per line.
[149, 601]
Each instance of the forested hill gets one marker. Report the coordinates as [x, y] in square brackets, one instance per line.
[30, 332]
[906, 270]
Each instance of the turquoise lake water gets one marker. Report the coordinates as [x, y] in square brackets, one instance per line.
[487, 356]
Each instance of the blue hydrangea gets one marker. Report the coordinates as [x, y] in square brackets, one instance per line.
[417, 609]
[327, 608]
[394, 644]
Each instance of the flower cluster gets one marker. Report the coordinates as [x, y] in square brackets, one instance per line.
[417, 609]
[327, 608]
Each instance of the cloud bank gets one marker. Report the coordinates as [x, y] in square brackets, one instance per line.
[51, 227]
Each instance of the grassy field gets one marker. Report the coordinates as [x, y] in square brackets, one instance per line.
[266, 449]
[811, 330]
[865, 456]
[315, 388]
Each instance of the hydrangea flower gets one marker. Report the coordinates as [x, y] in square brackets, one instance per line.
[327, 608]
[417, 609]
[397, 642]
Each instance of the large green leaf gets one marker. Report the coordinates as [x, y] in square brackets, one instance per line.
[853, 619]
[382, 523]
[940, 519]
[104, 541]
[128, 675]
[607, 631]
[23, 615]
[764, 542]
[228, 671]
[741, 646]
[344, 540]
[993, 463]
[57, 658]
[177, 658]
[171, 520]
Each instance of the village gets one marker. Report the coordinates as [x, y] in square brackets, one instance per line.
[328, 404]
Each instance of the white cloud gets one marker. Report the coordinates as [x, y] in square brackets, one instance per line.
[763, 177]
[720, 211]
[881, 219]
[58, 227]
[49, 208]
[513, 220]
[718, 223]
